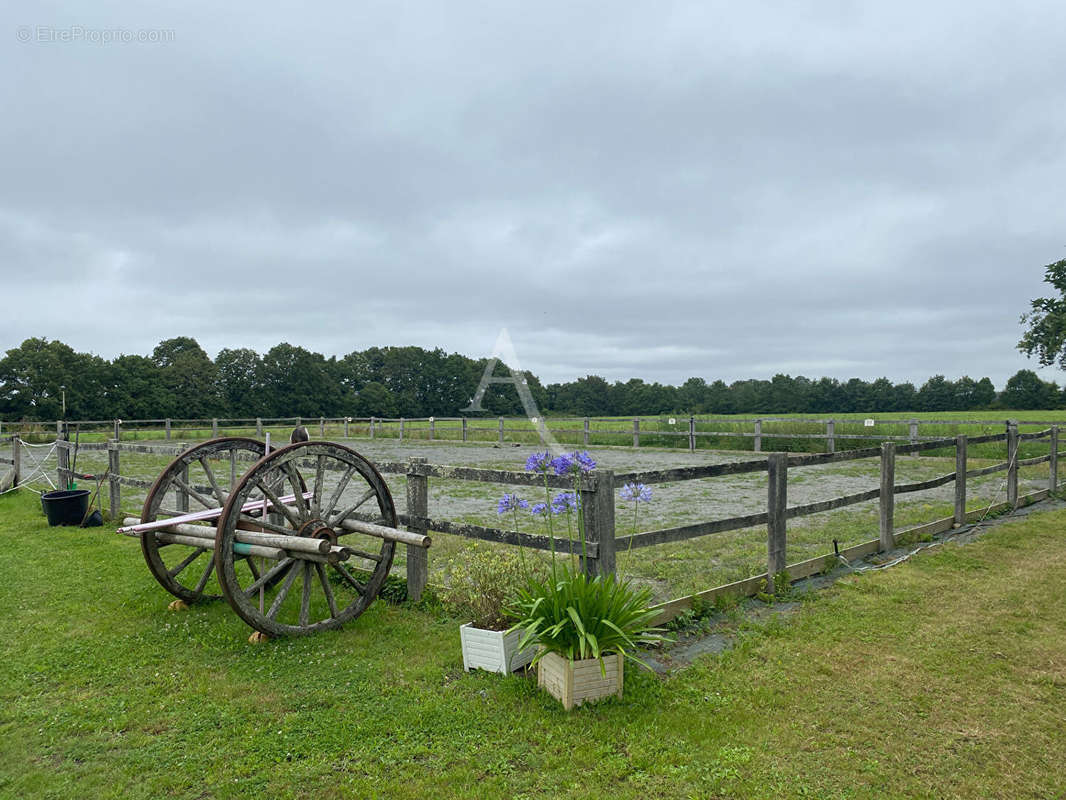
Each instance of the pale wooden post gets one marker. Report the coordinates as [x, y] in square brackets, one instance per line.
[321, 427]
[888, 495]
[464, 429]
[960, 480]
[114, 506]
[401, 428]
[258, 426]
[118, 430]
[586, 432]
[914, 432]
[346, 421]
[432, 427]
[62, 465]
[166, 427]
[777, 517]
[1053, 463]
[214, 427]
[16, 459]
[1012, 461]
[830, 437]
[692, 434]
[636, 432]
[597, 509]
[417, 514]
[299, 421]
[758, 436]
[59, 429]
[501, 430]
[371, 427]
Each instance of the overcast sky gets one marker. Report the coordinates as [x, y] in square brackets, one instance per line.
[655, 190]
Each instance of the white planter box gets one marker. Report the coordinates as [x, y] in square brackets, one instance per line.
[496, 651]
[575, 682]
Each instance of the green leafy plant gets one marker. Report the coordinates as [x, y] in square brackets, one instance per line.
[481, 586]
[580, 617]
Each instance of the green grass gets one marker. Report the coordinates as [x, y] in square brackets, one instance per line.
[943, 677]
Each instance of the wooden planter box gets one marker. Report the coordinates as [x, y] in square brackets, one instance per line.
[495, 651]
[575, 682]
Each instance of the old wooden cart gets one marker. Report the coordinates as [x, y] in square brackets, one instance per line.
[314, 513]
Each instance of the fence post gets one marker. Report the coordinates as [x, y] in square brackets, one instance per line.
[758, 436]
[371, 427]
[692, 434]
[166, 425]
[62, 465]
[417, 513]
[114, 506]
[914, 432]
[59, 429]
[501, 430]
[464, 429]
[830, 437]
[432, 427]
[401, 428]
[16, 458]
[960, 480]
[321, 427]
[118, 430]
[214, 427]
[183, 496]
[776, 505]
[586, 432]
[299, 421]
[1012, 461]
[1053, 463]
[888, 495]
[347, 420]
[597, 507]
[636, 432]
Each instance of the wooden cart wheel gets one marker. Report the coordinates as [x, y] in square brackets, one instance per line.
[201, 478]
[299, 593]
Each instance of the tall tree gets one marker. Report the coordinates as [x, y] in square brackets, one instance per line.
[1045, 333]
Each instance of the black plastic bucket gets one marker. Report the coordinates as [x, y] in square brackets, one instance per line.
[65, 507]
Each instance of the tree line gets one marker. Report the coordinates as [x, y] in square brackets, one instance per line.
[46, 380]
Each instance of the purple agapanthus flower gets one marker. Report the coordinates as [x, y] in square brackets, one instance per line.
[510, 502]
[539, 509]
[636, 492]
[539, 462]
[563, 502]
[563, 464]
[573, 463]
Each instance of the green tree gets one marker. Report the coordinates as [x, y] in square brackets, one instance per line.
[1045, 333]
[188, 376]
[239, 373]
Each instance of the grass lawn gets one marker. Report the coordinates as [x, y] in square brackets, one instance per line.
[944, 677]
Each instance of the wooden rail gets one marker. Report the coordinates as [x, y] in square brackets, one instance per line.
[597, 492]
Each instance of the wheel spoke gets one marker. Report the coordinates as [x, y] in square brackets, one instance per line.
[219, 494]
[316, 492]
[349, 578]
[278, 505]
[361, 554]
[207, 574]
[305, 598]
[297, 489]
[327, 590]
[188, 560]
[351, 509]
[270, 526]
[341, 486]
[283, 592]
[252, 567]
[193, 493]
[270, 575]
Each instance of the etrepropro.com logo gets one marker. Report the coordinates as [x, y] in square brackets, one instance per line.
[77, 34]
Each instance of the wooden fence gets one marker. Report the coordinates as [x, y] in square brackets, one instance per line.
[597, 503]
[681, 432]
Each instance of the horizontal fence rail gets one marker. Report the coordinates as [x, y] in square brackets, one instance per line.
[597, 500]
